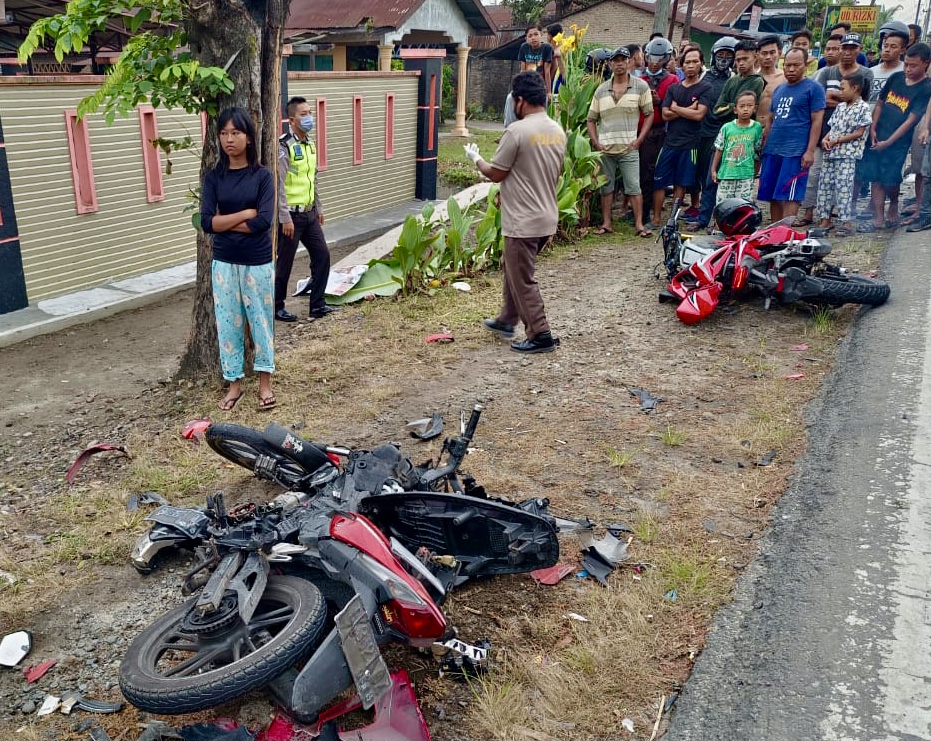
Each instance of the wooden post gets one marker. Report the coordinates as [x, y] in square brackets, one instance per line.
[462, 71]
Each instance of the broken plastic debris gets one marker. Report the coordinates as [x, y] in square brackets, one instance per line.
[196, 428]
[35, 673]
[554, 574]
[628, 725]
[576, 616]
[767, 459]
[671, 596]
[75, 699]
[648, 402]
[426, 428]
[49, 706]
[460, 660]
[397, 718]
[596, 566]
[14, 647]
[86, 454]
[799, 348]
[794, 377]
[442, 337]
[460, 285]
[611, 549]
[147, 497]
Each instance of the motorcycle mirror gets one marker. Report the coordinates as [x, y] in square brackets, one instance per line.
[14, 647]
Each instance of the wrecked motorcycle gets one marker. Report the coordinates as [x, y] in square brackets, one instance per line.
[778, 261]
[300, 594]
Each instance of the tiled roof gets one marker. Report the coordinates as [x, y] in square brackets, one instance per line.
[719, 12]
[326, 15]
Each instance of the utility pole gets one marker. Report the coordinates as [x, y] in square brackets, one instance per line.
[672, 18]
[660, 16]
[687, 28]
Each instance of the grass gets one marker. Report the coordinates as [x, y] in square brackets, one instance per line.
[354, 379]
[453, 168]
[823, 319]
[672, 437]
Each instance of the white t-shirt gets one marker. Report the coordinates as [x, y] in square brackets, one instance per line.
[880, 75]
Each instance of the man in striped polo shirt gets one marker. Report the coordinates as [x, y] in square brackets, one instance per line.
[619, 119]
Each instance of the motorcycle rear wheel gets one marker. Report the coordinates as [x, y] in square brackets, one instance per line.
[852, 289]
[243, 446]
[169, 670]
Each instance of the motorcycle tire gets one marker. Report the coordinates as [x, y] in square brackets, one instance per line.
[243, 446]
[852, 289]
[149, 673]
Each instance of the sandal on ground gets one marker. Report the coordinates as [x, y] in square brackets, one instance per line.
[911, 219]
[602, 230]
[843, 231]
[802, 221]
[228, 403]
[866, 227]
[645, 233]
[267, 402]
[891, 224]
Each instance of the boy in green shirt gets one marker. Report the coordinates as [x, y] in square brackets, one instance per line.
[737, 150]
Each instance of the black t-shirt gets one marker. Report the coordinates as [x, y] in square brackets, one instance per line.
[539, 57]
[711, 124]
[680, 132]
[238, 190]
[900, 99]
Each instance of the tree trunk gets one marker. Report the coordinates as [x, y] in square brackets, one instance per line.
[244, 37]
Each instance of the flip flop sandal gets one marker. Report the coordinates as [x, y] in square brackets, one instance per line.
[228, 404]
[267, 402]
[645, 233]
[802, 222]
[601, 230]
[842, 231]
[867, 227]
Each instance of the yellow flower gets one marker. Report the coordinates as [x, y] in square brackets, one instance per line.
[567, 45]
[580, 33]
[557, 39]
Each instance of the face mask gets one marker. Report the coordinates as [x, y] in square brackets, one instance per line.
[723, 62]
[306, 123]
[659, 73]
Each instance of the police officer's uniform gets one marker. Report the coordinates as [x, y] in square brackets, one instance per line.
[299, 203]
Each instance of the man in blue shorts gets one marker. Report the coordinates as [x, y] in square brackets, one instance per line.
[791, 129]
[684, 107]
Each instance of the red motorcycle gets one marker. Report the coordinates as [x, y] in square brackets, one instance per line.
[300, 594]
[779, 262]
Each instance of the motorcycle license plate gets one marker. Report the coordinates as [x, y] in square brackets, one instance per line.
[363, 656]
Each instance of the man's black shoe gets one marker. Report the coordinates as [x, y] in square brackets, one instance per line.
[920, 225]
[321, 312]
[504, 331]
[543, 342]
[283, 315]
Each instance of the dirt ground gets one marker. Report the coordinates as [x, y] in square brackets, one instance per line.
[687, 477]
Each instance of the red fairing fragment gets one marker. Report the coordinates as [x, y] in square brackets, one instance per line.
[86, 454]
[699, 303]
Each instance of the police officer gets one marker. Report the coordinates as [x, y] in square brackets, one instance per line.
[300, 215]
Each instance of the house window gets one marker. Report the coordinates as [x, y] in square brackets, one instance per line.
[152, 164]
[357, 129]
[82, 169]
[389, 126]
[323, 62]
[321, 133]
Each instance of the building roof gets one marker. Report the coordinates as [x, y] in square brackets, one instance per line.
[327, 15]
[719, 12]
[507, 49]
[698, 23]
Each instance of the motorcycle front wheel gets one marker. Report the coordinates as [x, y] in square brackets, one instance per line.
[183, 663]
[852, 289]
[243, 446]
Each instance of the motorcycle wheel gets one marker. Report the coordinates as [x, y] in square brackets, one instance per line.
[170, 669]
[852, 289]
[243, 446]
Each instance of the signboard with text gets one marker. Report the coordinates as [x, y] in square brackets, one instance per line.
[862, 18]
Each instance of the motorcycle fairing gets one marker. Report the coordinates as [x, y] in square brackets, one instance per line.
[699, 303]
[486, 537]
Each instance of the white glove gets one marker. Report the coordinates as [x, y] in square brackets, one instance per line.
[471, 151]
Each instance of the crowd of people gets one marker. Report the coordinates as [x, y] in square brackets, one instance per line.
[806, 128]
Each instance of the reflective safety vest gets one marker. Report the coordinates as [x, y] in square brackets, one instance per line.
[302, 169]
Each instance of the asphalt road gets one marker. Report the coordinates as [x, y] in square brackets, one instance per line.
[829, 637]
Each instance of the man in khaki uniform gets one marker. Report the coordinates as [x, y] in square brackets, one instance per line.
[528, 164]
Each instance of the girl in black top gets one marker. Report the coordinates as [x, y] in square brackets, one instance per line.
[237, 207]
